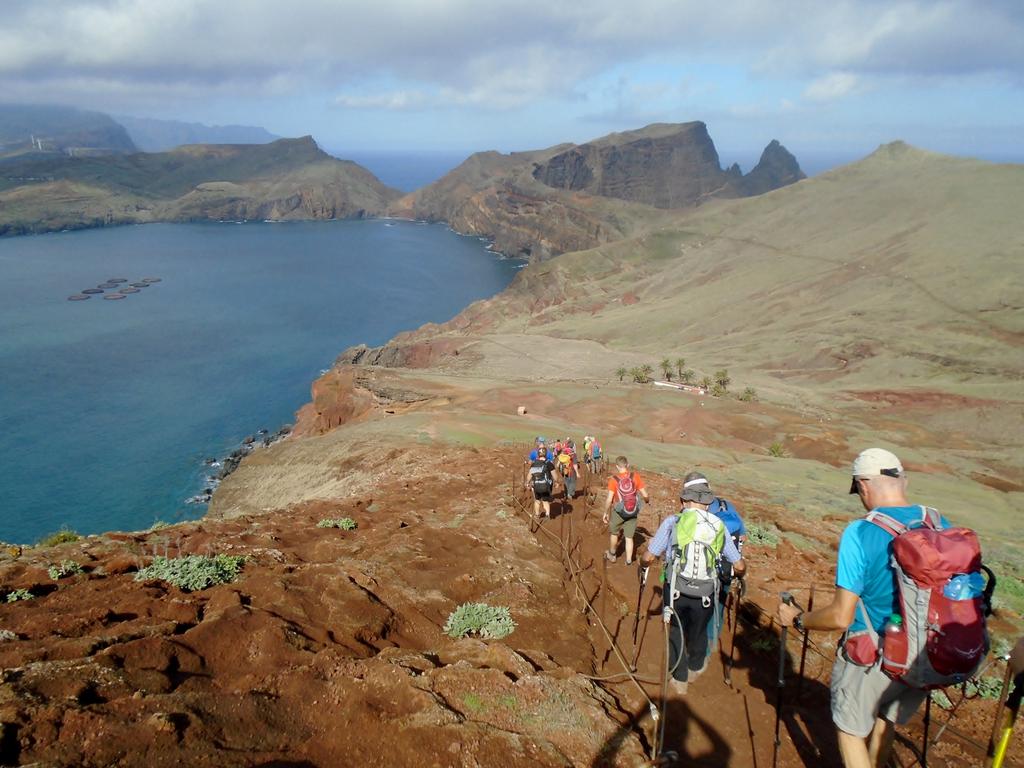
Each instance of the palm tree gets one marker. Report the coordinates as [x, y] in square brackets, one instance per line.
[680, 365]
[666, 368]
[646, 369]
[687, 376]
[705, 383]
[621, 372]
[722, 379]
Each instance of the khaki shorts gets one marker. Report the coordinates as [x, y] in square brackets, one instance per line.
[617, 523]
[860, 694]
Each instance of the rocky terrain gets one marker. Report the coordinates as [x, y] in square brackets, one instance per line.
[570, 197]
[285, 179]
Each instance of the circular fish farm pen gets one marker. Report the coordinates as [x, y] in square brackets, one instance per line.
[140, 285]
[151, 279]
[117, 279]
[129, 290]
[79, 297]
[114, 296]
[93, 290]
[106, 286]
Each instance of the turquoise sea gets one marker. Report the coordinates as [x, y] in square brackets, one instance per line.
[108, 408]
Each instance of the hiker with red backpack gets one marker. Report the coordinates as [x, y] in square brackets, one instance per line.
[911, 602]
[625, 491]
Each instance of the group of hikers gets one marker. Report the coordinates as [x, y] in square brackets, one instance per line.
[911, 593]
[547, 467]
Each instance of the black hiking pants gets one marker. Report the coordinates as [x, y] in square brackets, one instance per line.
[694, 616]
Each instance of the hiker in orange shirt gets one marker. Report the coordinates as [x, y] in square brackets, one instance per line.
[626, 490]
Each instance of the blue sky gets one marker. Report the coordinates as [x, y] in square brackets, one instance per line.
[827, 79]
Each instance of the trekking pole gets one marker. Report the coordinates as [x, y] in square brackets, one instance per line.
[636, 620]
[927, 723]
[734, 606]
[803, 650]
[787, 598]
[1015, 668]
[659, 743]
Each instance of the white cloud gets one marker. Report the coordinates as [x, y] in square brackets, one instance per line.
[498, 54]
[831, 87]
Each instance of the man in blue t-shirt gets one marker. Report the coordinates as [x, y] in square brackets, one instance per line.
[865, 701]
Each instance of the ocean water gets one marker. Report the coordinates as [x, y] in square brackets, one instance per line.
[407, 171]
[108, 408]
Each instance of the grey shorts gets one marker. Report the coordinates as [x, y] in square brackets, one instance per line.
[616, 522]
[860, 694]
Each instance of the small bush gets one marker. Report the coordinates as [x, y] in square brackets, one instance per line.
[480, 619]
[762, 536]
[717, 390]
[941, 699]
[64, 568]
[985, 687]
[777, 450]
[345, 523]
[63, 536]
[749, 395]
[19, 594]
[193, 572]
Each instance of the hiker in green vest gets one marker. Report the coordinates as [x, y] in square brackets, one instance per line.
[690, 543]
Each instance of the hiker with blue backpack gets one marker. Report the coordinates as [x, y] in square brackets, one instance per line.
[911, 601]
[725, 511]
[691, 542]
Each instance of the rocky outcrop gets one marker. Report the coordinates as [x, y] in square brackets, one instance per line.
[776, 168]
[574, 197]
[673, 168]
[666, 166]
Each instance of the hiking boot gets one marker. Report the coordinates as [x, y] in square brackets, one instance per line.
[679, 687]
[610, 556]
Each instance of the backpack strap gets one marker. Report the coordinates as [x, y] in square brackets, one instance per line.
[930, 518]
[889, 524]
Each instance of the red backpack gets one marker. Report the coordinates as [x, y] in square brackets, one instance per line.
[627, 491]
[943, 640]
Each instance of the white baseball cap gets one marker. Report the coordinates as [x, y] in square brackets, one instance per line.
[874, 462]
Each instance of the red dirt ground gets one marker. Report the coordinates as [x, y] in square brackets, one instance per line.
[328, 651]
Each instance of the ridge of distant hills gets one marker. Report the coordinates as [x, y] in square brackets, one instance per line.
[575, 196]
[286, 179]
[151, 135]
[41, 129]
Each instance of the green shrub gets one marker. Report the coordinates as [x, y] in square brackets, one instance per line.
[941, 699]
[480, 619]
[717, 390]
[193, 572]
[778, 450]
[762, 536]
[63, 536]
[749, 395]
[345, 523]
[985, 687]
[64, 568]
[19, 594]
[621, 372]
